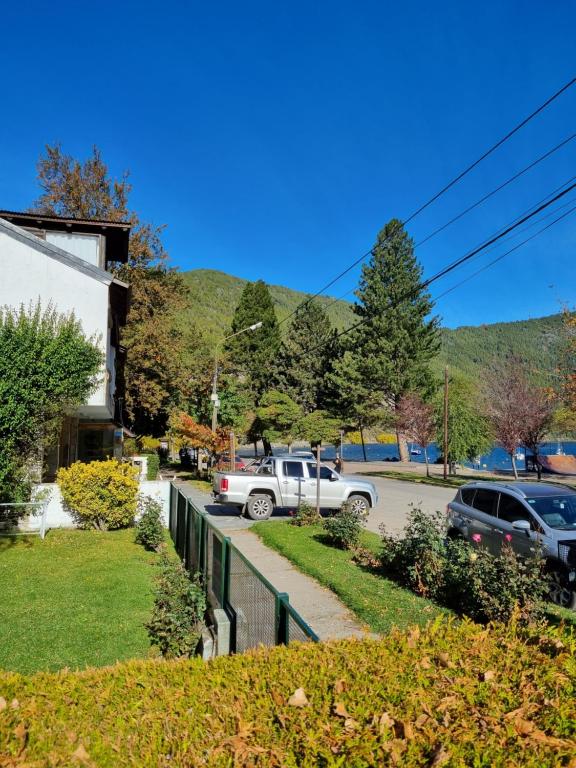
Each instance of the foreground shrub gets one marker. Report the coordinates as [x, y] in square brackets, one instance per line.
[461, 576]
[345, 527]
[179, 606]
[101, 494]
[454, 694]
[149, 528]
[305, 515]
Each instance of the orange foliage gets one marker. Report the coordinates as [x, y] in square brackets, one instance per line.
[197, 435]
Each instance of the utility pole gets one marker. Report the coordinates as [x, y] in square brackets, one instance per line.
[232, 452]
[445, 446]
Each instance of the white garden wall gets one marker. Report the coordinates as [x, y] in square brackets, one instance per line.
[57, 517]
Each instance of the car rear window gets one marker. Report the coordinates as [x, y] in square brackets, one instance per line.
[467, 495]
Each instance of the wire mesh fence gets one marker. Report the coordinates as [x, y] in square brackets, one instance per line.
[13, 514]
[259, 614]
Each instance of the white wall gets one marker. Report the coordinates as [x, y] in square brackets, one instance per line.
[27, 274]
[58, 517]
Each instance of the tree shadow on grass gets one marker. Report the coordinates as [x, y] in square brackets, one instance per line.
[9, 541]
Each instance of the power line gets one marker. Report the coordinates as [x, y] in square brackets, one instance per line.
[507, 253]
[527, 210]
[444, 189]
[455, 264]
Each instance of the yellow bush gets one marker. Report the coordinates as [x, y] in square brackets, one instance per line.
[386, 438]
[101, 494]
[354, 437]
[453, 694]
[149, 444]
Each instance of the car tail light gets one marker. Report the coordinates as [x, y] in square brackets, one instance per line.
[223, 484]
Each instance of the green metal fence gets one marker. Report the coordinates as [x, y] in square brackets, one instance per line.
[259, 614]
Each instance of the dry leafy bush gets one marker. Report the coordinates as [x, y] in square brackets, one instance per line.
[101, 494]
[461, 576]
[454, 694]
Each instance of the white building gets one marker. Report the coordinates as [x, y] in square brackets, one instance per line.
[64, 262]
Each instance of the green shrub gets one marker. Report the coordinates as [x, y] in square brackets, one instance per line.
[343, 529]
[454, 694]
[149, 528]
[102, 494]
[130, 447]
[179, 606]
[153, 466]
[461, 576]
[306, 514]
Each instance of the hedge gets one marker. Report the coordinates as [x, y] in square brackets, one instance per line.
[454, 694]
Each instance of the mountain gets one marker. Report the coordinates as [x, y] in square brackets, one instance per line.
[214, 296]
[468, 350]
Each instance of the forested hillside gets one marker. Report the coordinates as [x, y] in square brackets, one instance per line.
[214, 296]
[469, 349]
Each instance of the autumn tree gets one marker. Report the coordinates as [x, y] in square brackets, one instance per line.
[396, 337]
[520, 412]
[416, 419]
[155, 372]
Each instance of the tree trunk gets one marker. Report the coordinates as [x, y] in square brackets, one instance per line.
[255, 448]
[363, 445]
[267, 446]
[402, 447]
[426, 460]
[512, 456]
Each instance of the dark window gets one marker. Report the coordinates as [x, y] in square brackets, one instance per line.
[266, 469]
[485, 501]
[325, 472]
[293, 469]
[467, 495]
[511, 510]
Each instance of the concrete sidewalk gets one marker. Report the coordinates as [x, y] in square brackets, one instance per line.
[318, 606]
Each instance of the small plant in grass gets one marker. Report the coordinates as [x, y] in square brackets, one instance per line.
[179, 606]
[306, 514]
[344, 528]
[149, 528]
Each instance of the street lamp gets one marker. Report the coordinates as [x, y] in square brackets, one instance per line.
[214, 396]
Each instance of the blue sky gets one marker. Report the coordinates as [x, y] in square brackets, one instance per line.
[275, 139]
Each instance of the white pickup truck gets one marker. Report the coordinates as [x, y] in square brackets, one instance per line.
[286, 481]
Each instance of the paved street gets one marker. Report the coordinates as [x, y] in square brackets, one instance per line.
[396, 496]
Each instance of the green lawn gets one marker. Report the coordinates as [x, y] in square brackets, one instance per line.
[376, 601]
[415, 477]
[76, 599]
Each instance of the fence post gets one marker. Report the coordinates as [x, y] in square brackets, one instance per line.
[225, 571]
[282, 623]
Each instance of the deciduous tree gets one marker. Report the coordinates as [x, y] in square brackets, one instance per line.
[47, 368]
[279, 416]
[156, 370]
[416, 419]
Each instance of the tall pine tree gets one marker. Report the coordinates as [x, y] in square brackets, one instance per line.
[305, 357]
[397, 339]
[253, 354]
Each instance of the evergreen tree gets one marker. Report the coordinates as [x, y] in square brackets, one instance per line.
[305, 357]
[253, 354]
[397, 338]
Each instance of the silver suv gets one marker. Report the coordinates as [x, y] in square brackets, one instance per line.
[531, 517]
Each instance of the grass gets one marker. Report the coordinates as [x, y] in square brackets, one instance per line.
[415, 477]
[76, 599]
[377, 602]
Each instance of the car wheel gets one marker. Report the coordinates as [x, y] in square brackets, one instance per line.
[358, 504]
[559, 591]
[259, 507]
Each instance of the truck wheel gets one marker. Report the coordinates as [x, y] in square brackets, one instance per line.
[559, 591]
[358, 504]
[259, 507]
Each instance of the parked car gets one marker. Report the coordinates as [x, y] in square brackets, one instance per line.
[532, 517]
[223, 463]
[286, 481]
